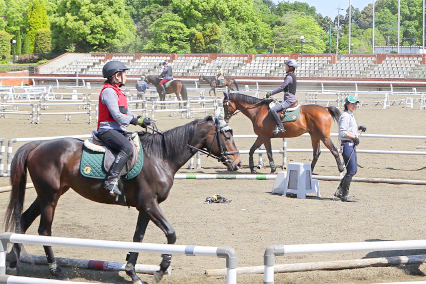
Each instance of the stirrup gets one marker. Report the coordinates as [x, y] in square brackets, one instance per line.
[112, 186]
[278, 130]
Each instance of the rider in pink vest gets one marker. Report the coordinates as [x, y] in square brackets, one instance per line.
[113, 118]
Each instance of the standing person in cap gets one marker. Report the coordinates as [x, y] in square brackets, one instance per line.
[166, 76]
[348, 134]
[289, 88]
[141, 87]
[113, 118]
[219, 75]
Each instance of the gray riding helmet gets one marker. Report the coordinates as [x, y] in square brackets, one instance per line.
[113, 67]
[291, 63]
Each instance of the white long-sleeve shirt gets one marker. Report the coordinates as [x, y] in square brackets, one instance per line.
[347, 124]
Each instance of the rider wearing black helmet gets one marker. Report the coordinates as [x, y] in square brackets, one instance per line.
[289, 88]
[113, 118]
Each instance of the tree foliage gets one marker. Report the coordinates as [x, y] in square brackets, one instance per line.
[95, 25]
[36, 20]
[42, 41]
[4, 45]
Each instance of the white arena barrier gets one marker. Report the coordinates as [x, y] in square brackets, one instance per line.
[280, 250]
[189, 250]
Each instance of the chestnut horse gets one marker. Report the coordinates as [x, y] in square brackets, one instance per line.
[314, 119]
[211, 80]
[54, 167]
[176, 86]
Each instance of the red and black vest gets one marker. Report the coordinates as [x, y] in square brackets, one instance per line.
[103, 112]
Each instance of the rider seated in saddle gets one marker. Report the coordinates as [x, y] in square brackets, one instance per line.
[289, 88]
[219, 75]
[166, 76]
[113, 118]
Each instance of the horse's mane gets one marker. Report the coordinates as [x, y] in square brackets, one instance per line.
[172, 142]
[248, 99]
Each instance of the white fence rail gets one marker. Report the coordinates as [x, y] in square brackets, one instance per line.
[280, 250]
[283, 151]
[189, 250]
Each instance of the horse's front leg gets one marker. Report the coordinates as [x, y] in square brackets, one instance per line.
[253, 148]
[155, 214]
[268, 147]
[132, 257]
[316, 151]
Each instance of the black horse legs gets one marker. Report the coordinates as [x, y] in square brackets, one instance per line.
[253, 148]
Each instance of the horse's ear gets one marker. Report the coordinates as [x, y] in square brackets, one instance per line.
[226, 96]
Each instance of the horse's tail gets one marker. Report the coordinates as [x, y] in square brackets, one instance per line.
[236, 85]
[335, 112]
[18, 180]
[184, 92]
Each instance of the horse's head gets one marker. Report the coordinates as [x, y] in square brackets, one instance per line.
[151, 79]
[219, 142]
[229, 106]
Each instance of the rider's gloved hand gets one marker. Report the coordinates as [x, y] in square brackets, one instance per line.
[362, 128]
[144, 121]
[268, 95]
[356, 141]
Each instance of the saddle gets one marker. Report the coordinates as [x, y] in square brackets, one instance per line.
[166, 85]
[289, 114]
[95, 151]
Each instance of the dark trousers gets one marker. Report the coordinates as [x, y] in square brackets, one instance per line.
[116, 140]
[350, 160]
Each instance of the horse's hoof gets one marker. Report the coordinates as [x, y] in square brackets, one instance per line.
[253, 171]
[11, 271]
[139, 282]
[341, 169]
[156, 278]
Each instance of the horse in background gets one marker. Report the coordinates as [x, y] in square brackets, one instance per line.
[175, 86]
[211, 80]
[314, 119]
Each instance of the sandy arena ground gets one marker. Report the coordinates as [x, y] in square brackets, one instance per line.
[255, 219]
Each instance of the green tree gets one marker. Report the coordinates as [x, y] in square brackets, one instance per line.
[16, 14]
[168, 35]
[300, 7]
[291, 27]
[42, 42]
[212, 39]
[4, 45]
[27, 45]
[198, 45]
[18, 43]
[241, 28]
[3, 21]
[96, 25]
[36, 19]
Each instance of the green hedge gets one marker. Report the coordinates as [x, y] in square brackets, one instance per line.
[42, 41]
[4, 45]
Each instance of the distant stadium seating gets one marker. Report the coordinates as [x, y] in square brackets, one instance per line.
[248, 65]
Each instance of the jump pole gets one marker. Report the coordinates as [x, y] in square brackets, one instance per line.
[91, 264]
[326, 265]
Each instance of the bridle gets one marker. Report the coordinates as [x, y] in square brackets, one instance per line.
[226, 107]
[223, 151]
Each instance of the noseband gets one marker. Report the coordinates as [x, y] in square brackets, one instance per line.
[222, 147]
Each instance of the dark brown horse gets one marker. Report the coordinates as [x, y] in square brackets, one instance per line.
[176, 86]
[314, 119]
[54, 168]
[211, 80]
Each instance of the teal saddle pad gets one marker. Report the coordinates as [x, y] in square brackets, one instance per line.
[291, 115]
[92, 165]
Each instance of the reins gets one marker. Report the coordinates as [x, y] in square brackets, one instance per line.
[238, 111]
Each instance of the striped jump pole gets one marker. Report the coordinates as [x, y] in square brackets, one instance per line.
[225, 176]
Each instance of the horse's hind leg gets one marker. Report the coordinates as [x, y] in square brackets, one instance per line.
[329, 144]
[45, 229]
[253, 148]
[268, 148]
[27, 218]
[132, 257]
[316, 151]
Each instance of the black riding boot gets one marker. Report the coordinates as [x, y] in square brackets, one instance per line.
[346, 183]
[163, 90]
[338, 192]
[280, 127]
[111, 183]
